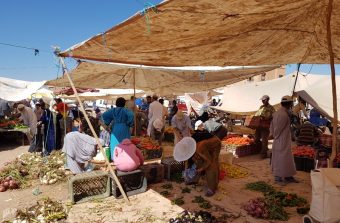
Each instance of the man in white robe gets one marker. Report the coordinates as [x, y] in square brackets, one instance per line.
[282, 163]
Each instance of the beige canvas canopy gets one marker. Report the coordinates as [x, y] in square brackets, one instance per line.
[157, 79]
[219, 33]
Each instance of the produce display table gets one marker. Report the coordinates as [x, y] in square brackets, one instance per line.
[24, 131]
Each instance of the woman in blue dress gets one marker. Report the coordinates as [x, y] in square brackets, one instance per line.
[49, 133]
[121, 120]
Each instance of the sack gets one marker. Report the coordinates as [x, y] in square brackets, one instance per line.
[252, 122]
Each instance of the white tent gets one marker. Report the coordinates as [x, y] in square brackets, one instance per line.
[16, 90]
[245, 99]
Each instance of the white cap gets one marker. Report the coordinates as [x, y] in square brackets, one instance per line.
[184, 149]
[158, 124]
[197, 124]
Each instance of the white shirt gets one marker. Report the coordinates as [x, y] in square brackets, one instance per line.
[155, 111]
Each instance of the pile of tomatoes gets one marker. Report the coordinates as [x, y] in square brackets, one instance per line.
[304, 151]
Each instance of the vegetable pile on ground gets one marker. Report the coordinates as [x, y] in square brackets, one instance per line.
[31, 166]
[46, 210]
[202, 203]
[201, 216]
[49, 169]
[272, 205]
[233, 171]
[304, 151]
[237, 141]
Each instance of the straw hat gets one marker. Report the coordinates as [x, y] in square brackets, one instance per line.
[158, 124]
[184, 149]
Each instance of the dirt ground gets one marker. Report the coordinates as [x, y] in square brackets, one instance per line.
[151, 206]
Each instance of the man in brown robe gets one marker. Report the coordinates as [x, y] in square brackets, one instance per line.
[282, 158]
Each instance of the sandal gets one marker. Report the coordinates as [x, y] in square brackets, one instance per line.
[279, 181]
[291, 180]
[209, 193]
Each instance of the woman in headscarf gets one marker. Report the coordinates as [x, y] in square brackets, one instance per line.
[121, 120]
[204, 150]
[79, 149]
[49, 133]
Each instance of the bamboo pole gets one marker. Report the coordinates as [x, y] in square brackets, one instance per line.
[134, 103]
[94, 132]
[331, 58]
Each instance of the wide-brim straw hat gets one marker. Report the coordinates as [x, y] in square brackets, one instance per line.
[184, 149]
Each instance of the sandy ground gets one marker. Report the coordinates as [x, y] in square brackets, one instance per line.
[151, 206]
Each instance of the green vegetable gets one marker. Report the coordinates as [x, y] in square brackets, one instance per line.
[165, 193]
[205, 205]
[178, 201]
[260, 186]
[198, 199]
[177, 177]
[167, 186]
[186, 190]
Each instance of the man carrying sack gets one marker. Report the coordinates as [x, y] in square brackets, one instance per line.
[265, 113]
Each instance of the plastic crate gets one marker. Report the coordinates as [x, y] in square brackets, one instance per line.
[154, 172]
[304, 164]
[152, 154]
[299, 163]
[90, 185]
[172, 167]
[133, 182]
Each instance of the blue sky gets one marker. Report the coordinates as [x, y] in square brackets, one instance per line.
[41, 24]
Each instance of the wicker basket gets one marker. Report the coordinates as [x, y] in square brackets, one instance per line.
[172, 167]
[90, 185]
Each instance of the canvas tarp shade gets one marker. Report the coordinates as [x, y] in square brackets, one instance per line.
[245, 99]
[159, 80]
[219, 33]
[16, 90]
[106, 94]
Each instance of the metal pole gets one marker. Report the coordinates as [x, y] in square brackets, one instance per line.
[94, 132]
[331, 58]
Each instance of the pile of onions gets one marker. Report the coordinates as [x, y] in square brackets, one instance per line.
[257, 208]
[8, 183]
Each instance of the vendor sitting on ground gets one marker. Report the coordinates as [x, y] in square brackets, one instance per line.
[204, 149]
[127, 156]
[79, 149]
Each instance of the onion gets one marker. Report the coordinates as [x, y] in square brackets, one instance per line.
[2, 188]
[13, 184]
[6, 184]
[8, 178]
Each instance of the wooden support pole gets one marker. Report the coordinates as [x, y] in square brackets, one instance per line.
[94, 132]
[134, 103]
[331, 58]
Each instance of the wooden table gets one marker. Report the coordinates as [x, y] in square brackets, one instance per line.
[24, 131]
